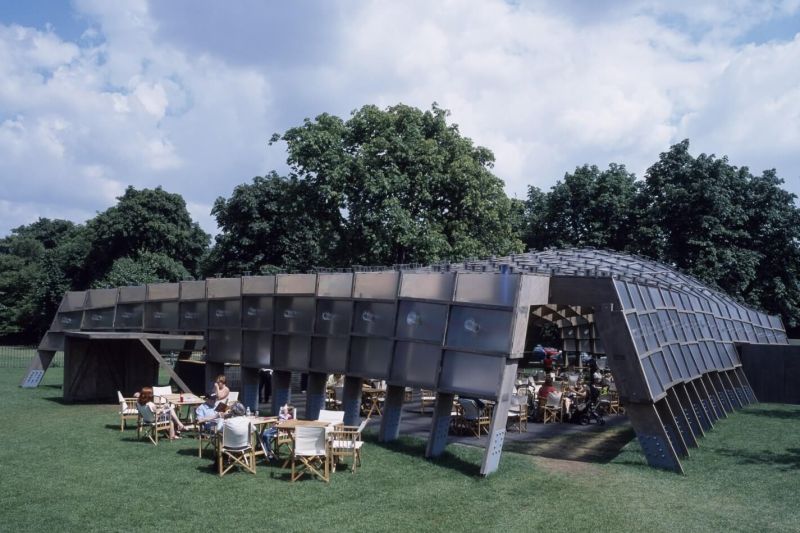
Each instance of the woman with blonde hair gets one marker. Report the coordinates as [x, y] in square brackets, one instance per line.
[221, 389]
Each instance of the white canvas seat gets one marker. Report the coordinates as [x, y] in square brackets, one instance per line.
[311, 453]
[152, 423]
[237, 446]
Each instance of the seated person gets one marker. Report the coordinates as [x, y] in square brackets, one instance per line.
[221, 389]
[544, 392]
[237, 423]
[548, 363]
[207, 415]
[268, 436]
[145, 401]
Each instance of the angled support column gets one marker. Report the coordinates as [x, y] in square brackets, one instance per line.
[652, 435]
[392, 413]
[697, 392]
[351, 403]
[315, 394]
[165, 366]
[733, 394]
[281, 390]
[746, 384]
[722, 394]
[671, 427]
[683, 419]
[440, 425]
[249, 396]
[36, 369]
[497, 428]
[694, 410]
[738, 386]
[713, 396]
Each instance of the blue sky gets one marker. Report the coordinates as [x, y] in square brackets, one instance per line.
[97, 95]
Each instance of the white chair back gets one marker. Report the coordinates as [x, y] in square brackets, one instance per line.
[162, 391]
[573, 379]
[148, 416]
[236, 433]
[332, 417]
[362, 425]
[554, 399]
[309, 441]
[233, 397]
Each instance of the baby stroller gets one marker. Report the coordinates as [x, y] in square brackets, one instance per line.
[593, 409]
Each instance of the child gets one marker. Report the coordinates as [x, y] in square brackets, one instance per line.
[286, 413]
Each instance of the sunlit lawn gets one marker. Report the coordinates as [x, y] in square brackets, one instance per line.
[68, 468]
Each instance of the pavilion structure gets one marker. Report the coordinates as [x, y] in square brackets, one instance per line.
[455, 328]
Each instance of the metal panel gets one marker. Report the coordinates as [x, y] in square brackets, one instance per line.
[471, 374]
[257, 349]
[193, 290]
[98, 318]
[193, 315]
[333, 317]
[294, 314]
[416, 364]
[161, 315]
[163, 291]
[295, 283]
[335, 285]
[428, 285]
[257, 312]
[329, 354]
[491, 289]
[479, 329]
[129, 316]
[258, 285]
[224, 287]
[376, 285]
[421, 321]
[133, 294]
[72, 301]
[99, 298]
[374, 318]
[224, 313]
[291, 352]
[224, 346]
[370, 357]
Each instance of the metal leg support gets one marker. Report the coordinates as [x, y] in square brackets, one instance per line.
[351, 403]
[281, 390]
[440, 425]
[392, 412]
[315, 394]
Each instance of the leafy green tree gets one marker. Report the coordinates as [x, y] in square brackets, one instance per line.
[274, 221]
[38, 263]
[150, 220]
[694, 217]
[145, 267]
[403, 185]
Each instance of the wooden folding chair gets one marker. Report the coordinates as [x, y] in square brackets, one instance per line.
[312, 452]
[553, 410]
[237, 446]
[345, 441]
[127, 410]
[151, 424]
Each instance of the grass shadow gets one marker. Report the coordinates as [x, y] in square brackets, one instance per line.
[772, 413]
[415, 448]
[598, 444]
[786, 461]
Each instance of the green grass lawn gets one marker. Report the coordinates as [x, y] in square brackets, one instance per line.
[68, 468]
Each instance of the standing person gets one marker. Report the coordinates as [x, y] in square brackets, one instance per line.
[548, 363]
[264, 385]
[221, 388]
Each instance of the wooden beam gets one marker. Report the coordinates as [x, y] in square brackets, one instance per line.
[168, 369]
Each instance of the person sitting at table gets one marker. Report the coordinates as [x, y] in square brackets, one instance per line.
[221, 389]
[268, 435]
[207, 415]
[544, 392]
[147, 401]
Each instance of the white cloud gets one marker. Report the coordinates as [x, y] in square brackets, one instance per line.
[186, 94]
